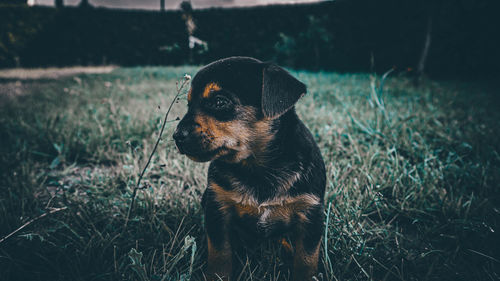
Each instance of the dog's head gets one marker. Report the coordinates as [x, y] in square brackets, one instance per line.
[232, 106]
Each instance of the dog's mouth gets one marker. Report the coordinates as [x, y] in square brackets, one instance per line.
[199, 155]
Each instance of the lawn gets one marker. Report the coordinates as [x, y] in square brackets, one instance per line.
[412, 191]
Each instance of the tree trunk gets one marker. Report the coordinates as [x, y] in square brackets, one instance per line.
[425, 53]
[59, 3]
[162, 5]
[84, 4]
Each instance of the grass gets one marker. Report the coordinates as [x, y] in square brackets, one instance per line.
[412, 191]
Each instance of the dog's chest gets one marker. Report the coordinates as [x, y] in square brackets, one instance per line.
[269, 216]
[266, 218]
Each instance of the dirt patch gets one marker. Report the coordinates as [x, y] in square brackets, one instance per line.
[51, 73]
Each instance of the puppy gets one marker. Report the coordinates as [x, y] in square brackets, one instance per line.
[266, 178]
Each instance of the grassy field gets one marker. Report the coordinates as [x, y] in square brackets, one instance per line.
[412, 194]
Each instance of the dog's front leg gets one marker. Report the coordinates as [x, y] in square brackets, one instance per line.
[219, 262]
[307, 240]
[305, 261]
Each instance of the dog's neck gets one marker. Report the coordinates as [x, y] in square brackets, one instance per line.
[282, 147]
[273, 171]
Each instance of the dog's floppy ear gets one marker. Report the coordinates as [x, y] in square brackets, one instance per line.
[280, 91]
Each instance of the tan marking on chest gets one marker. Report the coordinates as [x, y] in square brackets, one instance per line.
[277, 209]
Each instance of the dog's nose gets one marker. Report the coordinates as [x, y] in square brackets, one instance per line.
[180, 135]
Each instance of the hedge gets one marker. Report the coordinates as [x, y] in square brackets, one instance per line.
[344, 35]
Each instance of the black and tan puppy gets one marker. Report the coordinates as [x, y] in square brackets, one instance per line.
[267, 177]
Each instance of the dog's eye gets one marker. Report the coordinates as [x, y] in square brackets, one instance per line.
[220, 102]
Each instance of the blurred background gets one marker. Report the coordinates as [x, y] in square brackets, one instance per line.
[343, 35]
